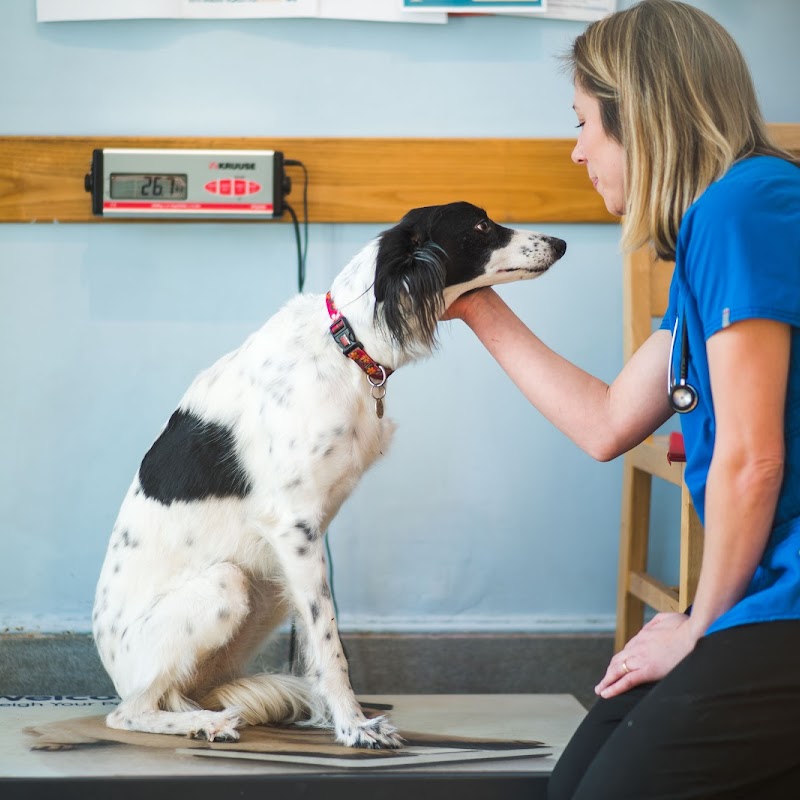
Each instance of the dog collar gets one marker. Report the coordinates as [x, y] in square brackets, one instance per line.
[343, 336]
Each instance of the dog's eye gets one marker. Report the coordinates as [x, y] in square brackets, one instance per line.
[483, 226]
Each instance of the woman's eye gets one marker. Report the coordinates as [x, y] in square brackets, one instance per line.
[580, 125]
[483, 226]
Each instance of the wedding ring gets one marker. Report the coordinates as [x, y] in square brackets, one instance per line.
[625, 667]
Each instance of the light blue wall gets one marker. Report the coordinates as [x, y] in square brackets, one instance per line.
[482, 517]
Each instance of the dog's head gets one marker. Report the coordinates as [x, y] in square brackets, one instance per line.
[436, 253]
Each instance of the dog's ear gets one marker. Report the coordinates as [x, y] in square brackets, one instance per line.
[410, 279]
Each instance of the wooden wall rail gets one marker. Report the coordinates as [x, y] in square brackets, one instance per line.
[350, 180]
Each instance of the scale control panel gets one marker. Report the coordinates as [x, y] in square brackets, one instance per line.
[187, 184]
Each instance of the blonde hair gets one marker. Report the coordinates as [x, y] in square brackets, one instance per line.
[675, 92]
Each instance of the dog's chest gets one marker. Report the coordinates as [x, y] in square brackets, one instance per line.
[298, 406]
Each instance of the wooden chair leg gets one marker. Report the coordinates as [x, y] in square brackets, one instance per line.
[691, 550]
[636, 489]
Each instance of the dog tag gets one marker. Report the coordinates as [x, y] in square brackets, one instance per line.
[378, 393]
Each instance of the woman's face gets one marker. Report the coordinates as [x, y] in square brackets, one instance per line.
[603, 156]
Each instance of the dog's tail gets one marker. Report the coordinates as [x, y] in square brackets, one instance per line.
[265, 698]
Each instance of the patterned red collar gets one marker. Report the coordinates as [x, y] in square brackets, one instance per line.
[343, 336]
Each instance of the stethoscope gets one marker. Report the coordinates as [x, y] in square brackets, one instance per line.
[682, 395]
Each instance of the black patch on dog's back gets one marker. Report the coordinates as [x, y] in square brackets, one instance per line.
[192, 460]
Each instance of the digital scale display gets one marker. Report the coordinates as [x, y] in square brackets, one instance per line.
[187, 184]
[127, 186]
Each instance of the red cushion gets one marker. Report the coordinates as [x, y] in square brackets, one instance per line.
[676, 451]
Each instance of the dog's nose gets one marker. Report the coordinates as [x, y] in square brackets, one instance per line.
[559, 245]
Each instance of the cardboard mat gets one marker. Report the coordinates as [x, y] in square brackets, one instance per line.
[52, 736]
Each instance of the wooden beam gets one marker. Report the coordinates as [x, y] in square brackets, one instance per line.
[787, 135]
[350, 180]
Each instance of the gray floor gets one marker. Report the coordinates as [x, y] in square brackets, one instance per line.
[379, 664]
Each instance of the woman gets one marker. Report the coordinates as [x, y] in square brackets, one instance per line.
[708, 704]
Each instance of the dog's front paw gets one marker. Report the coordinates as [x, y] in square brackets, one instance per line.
[373, 733]
[217, 726]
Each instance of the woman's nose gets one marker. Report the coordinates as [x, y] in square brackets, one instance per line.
[577, 154]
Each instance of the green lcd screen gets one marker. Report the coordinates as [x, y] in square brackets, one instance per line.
[140, 186]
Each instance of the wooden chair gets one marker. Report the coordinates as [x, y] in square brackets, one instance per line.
[645, 290]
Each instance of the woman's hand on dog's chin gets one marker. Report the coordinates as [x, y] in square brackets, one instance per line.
[467, 304]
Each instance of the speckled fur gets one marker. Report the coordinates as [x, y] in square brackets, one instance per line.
[202, 567]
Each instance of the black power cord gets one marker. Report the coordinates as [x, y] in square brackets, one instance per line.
[301, 250]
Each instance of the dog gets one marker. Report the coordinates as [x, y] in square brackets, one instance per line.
[220, 536]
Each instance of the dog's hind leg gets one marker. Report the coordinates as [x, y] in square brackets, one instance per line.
[142, 713]
[158, 657]
[263, 698]
[302, 556]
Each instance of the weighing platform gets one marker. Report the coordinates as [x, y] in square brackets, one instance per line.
[465, 746]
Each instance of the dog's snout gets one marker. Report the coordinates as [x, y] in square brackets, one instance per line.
[559, 245]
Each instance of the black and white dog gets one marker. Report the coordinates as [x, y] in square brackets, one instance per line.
[220, 535]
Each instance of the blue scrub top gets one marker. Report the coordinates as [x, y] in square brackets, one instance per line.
[738, 257]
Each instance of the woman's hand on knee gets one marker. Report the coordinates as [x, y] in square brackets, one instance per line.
[665, 641]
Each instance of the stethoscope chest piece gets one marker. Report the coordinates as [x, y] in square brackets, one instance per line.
[682, 395]
[683, 398]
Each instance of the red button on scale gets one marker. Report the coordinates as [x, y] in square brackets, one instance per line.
[212, 187]
[240, 187]
[225, 187]
[253, 187]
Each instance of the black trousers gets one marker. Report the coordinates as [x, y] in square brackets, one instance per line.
[725, 723]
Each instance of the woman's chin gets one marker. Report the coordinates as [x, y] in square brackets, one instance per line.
[615, 208]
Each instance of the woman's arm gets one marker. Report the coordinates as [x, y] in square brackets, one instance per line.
[604, 420]
[749, 364]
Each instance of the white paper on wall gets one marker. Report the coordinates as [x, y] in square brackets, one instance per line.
[370, 10]
[375, 11]
[475, 6]
[72, 10]
[579, 10]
